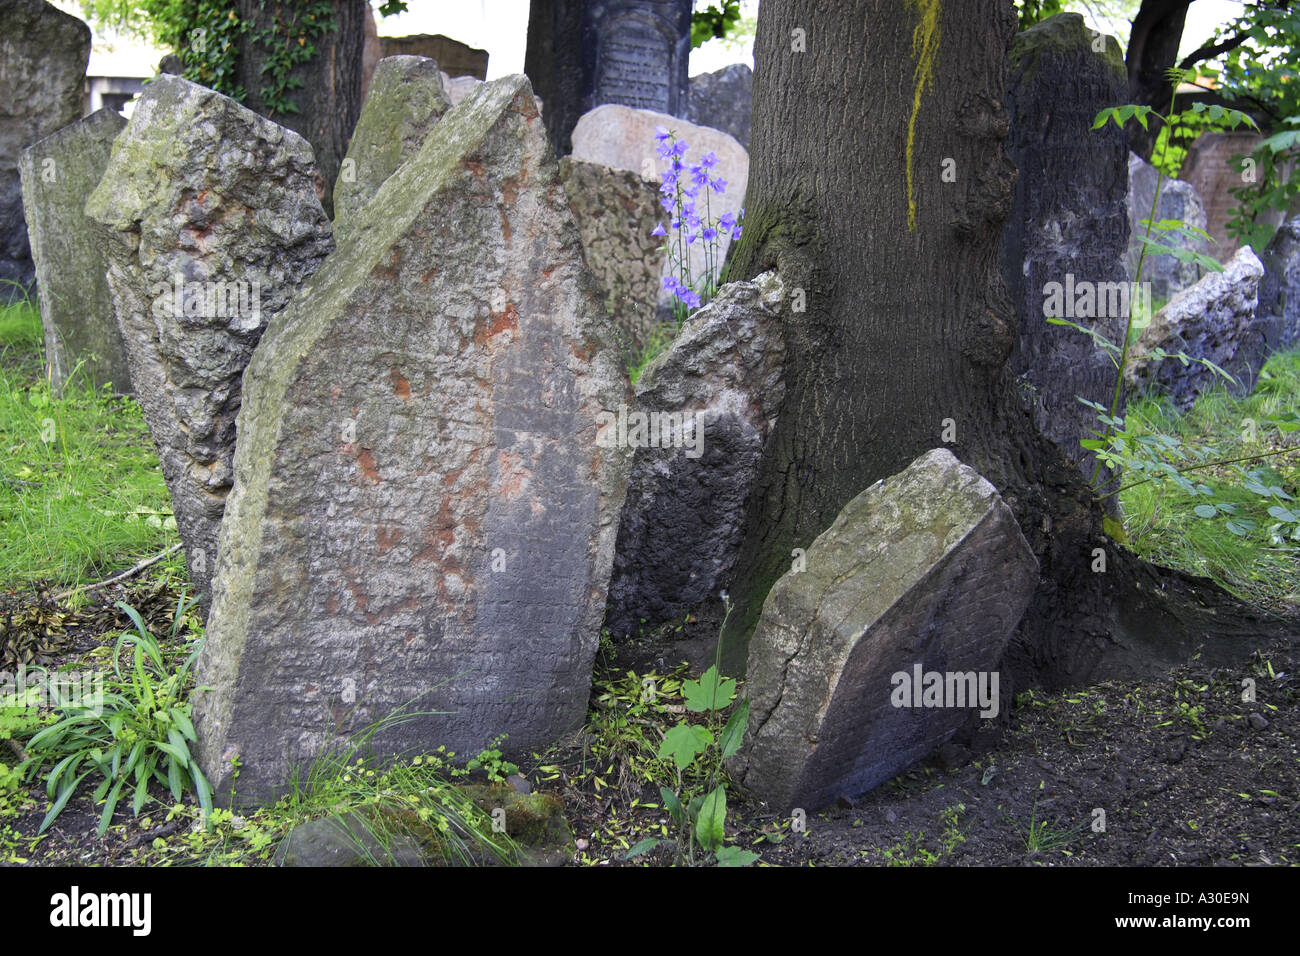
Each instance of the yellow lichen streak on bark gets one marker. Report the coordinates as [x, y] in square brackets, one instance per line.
[925, 45]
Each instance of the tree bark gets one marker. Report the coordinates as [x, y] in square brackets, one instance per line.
[329, 100]
[1152, 49]
[908, 324]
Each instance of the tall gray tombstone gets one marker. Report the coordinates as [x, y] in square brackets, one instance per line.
[43, 56]
[59, 172]
[586, 53]
[1065, 242]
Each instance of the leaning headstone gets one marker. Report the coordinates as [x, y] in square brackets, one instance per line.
[406, 100]
[1167, 274]
[422, 517]
[455, 58]
[1213, 320]
[919, 582]
[1065, 241]
[703, 412]
[624, 138]
[1279, 290]
[585, 54]
[616, 212]
[43, 56]
[724, 100]
[209, 222]
[59, 172]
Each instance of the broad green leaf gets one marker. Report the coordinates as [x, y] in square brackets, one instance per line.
[683, 742]
[641, 846]
[733, 735]
[735, 856]
[710, 692]
[673, 805]
[710, 826]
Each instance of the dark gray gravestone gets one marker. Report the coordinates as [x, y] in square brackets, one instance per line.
[1065, 242]
[585, 54]
[59, 173]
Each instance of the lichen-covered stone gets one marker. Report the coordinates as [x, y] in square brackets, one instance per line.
[58, 173]
[422, 516]
[405, 99]
[209, 222]
[1069, 221]
[682, 521]
[43, 56]
[927, 568]
[1214, 320]
[616, 210]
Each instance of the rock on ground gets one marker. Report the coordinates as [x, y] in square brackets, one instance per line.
[1213, 320]
[58, 173]
[422, 517]
[683, 517]
[43, 56]
[209, 221]
[926, 569]
[406, 99]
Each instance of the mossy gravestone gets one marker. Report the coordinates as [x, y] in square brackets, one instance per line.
[58, 173]
[924, 573]
[209, 221]
[1065, 242]
[422, 516]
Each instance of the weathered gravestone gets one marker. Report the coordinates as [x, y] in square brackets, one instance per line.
[703, 409]
[43, 56]
[1167, 274]
[1065, 242]
[209, 222]
[724, 100]
[925, 573]
[1279, 290]
[406, 99]
[624, 138]
[585, 53]
[1215, 166]
[422, 513]
[455, 58]
[616, 211]
[58, 173]
[1213, 320]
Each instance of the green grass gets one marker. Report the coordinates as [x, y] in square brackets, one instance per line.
[81, 491]
[1260, 565]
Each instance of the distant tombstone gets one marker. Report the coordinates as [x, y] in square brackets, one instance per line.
[454, 58]
[1215, 167]
[1279, 290]
[59, 172]
[43, 56]
[1065, 241]
[586, 54]
[724, 100]
[1167, 274]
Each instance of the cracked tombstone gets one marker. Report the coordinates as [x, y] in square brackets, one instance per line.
[925, 572]
[422, 514]
[209, 221]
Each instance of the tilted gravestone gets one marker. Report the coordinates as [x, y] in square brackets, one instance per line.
[724, 100]
[586, 53]
[878, 649]
[455, 58]
[704, 409]
[1167, 274]
[1065, 242]
[58, 173]
[209, 222]
[43, 56]
[423, 515]
[406, 99]
[1279, 290]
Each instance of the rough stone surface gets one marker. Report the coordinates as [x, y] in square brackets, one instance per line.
[724, 100]
[421, 513]
[1214, 320]
[58, 174]
[43, 56]
[1178, 200]
[624, 138]
[1279, 290]
[685, 508]
[406, 100]
[455, 58]
[205, 193]
[616, 210]
[927, 567]
[1069, 221]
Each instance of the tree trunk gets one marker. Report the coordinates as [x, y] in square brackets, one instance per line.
[908, 323]
[1152, 49]
[328, 102]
